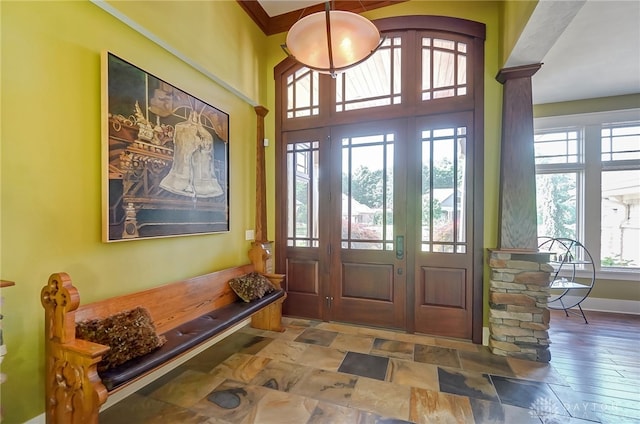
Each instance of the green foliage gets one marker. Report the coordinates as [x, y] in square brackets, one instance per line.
[616, 260]
[302, 200]
[367, 187]
[379, 216]
[442, 176]
[435, 207]
[556, 205]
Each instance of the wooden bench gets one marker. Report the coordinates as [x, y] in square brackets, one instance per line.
[192, 314]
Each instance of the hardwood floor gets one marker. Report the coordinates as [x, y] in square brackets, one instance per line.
[600, 362]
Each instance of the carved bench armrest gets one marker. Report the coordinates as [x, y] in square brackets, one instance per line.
[87, 349]
[276, 279]
[270, 318]
[74, 389]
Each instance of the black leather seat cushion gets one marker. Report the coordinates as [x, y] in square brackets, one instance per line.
[185, 337]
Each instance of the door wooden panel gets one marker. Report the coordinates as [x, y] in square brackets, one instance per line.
[303, 288]
[443, 302]
[304, 276]
[367, 281]
[443, 287]
[369, 295]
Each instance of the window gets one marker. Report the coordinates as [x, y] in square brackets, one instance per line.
[367, 174]
[588, 185]
[559, 169]
[374, 82]
[448, 75]
[302, 177]
[303, 96]
[443, 189]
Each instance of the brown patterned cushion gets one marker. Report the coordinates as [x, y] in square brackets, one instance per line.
[251, 286]
[129, 334]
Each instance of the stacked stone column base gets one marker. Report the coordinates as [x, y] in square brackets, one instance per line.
[518, 312]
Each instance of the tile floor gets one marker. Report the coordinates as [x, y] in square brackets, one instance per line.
[318, 372]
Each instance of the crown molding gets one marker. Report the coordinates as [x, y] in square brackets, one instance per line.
[271, 25]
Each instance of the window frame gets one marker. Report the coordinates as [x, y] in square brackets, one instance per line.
[588, 202]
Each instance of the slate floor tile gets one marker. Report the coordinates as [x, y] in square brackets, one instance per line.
[467, 383]
[392, 348]
[364, 365]
[446, 357]
[317, 337]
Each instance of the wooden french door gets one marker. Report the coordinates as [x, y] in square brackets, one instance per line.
[344, 258]
[379, 219]
[368, 262]
[441, 233]
[307, 223]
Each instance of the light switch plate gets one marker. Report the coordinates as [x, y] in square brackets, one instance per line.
[248, 235]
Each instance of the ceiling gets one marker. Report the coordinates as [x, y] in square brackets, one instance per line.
[279, 7]
[589, 48]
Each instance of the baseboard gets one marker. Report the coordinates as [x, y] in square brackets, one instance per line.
[618, 306]
[40, 419]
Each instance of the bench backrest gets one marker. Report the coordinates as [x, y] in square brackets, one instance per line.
[172, 304]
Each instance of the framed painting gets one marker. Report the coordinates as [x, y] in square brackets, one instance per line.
[165, 158]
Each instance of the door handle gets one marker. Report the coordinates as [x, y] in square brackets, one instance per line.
[399, 247]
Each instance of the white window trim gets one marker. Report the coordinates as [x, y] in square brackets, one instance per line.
[589, 211]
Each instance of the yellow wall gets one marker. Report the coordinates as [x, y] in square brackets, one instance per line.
[602, 104]
[50, 169]
[515, 14]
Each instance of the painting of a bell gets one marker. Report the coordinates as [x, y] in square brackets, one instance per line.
[168, 158]
[191, 172]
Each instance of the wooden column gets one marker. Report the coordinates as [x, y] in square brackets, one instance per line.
[517, 213]
[260, 252]
[261, 179]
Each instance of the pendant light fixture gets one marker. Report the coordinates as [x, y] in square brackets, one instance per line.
[332, 41]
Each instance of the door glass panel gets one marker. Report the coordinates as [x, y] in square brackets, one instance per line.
[303, 94]
[374, 82]
[443, 190]
[460, 171]
[367, 192]
[444, 68]
[302, 189]
[443, 74]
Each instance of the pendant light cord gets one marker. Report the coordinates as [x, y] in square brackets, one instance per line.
[327, 10]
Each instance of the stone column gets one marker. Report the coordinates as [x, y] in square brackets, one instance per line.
[518, 313]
